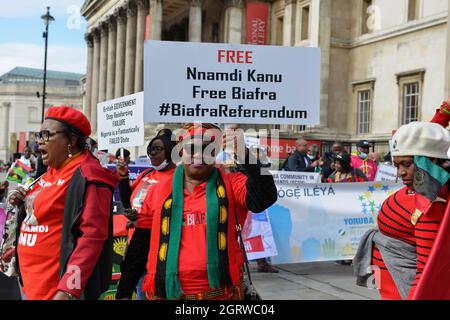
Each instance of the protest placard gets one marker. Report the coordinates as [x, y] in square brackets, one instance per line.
[386, 172]
[227, 83]
[121, 122]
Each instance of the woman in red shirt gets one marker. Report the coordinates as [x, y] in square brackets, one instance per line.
[133, 266]
[194, 252]
[65, 239]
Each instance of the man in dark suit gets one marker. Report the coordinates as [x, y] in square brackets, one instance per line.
[299, 160]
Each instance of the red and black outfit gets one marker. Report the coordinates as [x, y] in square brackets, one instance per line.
[65, 238]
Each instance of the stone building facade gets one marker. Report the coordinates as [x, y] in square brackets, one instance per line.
[21, 109]
[383, 62]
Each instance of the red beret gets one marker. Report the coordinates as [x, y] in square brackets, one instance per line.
[72, 117]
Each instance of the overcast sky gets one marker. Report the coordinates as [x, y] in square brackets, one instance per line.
[21, 41]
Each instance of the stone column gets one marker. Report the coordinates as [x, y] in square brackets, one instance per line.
[142, 6]
[195, 21]
[95, 76]
[88, 94]
[120, 52]
[156, 12]
[130, 56]
[110, 77]
[4, 133]
[325, 47]
[288, 22]
[234, 18]
[103, 62]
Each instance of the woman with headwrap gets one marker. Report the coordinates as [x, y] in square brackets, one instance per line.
[133, 266]
[194, 251]
[344, 172]
[65, 221]
[409, 219]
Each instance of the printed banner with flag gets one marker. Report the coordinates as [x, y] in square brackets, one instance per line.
[19, 172]
[257, 235]
[429, 178]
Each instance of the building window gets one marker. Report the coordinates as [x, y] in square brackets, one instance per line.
[411, 96]
[33, 115]
[363, 100]
[305, 34]
[413, 9]
[365, 16]
[364, 111]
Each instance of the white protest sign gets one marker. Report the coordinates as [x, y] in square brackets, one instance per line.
[295, 178]
[226, 83]
[121, 122]
[386, 172]
[257, 235]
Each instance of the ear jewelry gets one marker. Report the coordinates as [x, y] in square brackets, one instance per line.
[70, 152]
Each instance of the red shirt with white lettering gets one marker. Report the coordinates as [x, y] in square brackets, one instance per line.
[40, 237]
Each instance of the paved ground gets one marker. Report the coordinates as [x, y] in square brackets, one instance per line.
[311, 281]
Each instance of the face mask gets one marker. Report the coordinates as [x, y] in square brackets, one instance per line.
[363, 155]
[311, 157]
[162, 166]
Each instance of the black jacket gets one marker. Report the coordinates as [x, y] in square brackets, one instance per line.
[299, 162]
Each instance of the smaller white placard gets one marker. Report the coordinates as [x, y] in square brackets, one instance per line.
[386, 172]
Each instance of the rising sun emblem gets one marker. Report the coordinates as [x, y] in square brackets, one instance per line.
[120, 245]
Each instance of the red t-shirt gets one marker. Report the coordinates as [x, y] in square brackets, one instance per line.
[192, 270]
[39, 243]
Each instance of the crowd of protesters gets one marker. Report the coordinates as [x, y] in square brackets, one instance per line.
[186, 218]
[184, 244]
[336, 166]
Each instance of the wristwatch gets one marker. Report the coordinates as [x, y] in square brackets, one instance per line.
[71, 297]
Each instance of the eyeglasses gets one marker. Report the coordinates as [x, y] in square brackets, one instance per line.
[46, 134]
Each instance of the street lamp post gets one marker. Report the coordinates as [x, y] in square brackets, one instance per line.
[47, 20]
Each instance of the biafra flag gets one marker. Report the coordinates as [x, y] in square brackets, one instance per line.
[18, 172]
[429, 178]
